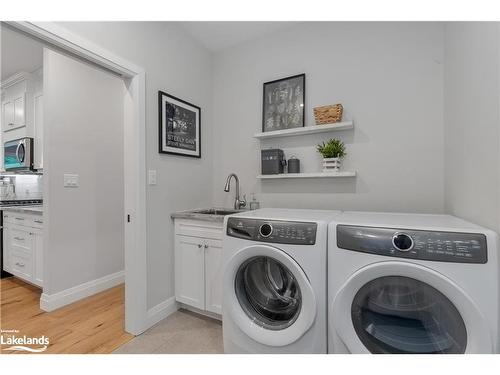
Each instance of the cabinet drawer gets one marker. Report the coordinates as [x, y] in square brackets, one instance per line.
[15, 218]
[21, 240]
[25, 219]
[21, 264]
[36, 221]
[198, 228]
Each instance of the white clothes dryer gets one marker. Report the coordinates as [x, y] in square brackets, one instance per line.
[409, 283]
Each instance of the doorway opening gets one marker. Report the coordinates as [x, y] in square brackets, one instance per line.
[58, 291]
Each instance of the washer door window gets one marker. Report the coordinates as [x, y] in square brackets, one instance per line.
[396, 314]
[268, 296]
[268, 292]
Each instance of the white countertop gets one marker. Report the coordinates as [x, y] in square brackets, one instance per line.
[33, 209]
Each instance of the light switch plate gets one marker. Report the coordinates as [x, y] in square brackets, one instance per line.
[152, 177]
[71, 180]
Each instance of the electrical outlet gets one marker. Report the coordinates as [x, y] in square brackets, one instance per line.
[71, 180]
[152, 177]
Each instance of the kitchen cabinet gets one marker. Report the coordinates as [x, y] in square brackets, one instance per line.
[22, 111]
[38, 129]
[7, 114]
[38, 249]
[198, 265]
[23, 246]
[13, 111]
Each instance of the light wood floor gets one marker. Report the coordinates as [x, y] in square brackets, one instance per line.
[92, 325]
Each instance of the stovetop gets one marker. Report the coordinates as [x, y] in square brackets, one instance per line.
[21, 202]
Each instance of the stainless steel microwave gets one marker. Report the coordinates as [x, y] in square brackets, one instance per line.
[18, 154]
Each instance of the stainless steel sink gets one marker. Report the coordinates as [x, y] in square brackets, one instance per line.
[216, 211]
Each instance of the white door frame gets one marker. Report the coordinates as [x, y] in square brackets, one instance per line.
[134, 159]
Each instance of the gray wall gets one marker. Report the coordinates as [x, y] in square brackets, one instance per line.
[83, 134]
[388, 76]
[472, 122]
[175, 64]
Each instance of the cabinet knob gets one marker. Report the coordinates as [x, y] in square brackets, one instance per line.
[199, 246]
[206, 246]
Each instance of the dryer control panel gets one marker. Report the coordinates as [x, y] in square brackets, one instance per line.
[414, 244]
[273, 231]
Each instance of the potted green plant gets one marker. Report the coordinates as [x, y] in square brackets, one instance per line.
[332, 151]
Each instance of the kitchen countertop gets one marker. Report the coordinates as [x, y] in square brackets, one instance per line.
[33, 209]
[190, 214]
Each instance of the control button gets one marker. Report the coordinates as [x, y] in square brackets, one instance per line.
[265, 230]
[402, 242]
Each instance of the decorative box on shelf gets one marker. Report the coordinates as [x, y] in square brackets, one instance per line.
[328, 114]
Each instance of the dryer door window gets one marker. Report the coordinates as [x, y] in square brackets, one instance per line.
[395, 314]
[268, 292]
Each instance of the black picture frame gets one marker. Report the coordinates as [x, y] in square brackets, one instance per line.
[278, 123]
[179, 126]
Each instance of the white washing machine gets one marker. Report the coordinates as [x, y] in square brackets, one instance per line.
[405, 283]
[274, 292]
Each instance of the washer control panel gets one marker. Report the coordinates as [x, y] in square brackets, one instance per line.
[415, 244]
[273, 231]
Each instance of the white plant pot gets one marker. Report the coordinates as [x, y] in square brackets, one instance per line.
[331, 164]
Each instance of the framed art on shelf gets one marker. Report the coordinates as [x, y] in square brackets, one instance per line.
[283, 103]
[179, 126]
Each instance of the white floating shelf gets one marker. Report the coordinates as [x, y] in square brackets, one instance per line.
[344, 125]
[307, 175]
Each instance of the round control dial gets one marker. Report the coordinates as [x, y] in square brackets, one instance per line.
[266, 230]
[402, 242]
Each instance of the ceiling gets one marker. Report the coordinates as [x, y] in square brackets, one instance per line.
[19, 52]
[217, 36]
[22, 53]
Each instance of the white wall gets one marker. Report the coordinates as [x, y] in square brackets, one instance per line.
[388, 76]
[83, 127]
[472, 121]
[174, 63]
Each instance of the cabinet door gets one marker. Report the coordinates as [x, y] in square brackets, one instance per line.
[190, 271]
[7, 115]
[213, 276]
[38, 254]
[6, 247]
[19, 111]
[38, 129]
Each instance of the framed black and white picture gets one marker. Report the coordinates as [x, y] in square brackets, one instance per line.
[283, 105]
[179, 126]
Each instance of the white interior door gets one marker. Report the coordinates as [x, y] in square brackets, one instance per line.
[83, 118]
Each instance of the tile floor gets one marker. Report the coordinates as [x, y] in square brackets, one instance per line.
[183, 332]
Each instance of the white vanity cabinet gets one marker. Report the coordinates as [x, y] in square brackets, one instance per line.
[23, 245]
[198, 264]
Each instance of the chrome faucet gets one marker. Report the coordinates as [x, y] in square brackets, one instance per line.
[238, 203]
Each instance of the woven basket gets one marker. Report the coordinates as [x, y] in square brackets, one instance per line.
[328, 114]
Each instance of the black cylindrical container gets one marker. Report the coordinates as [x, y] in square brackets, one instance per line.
[293, 165]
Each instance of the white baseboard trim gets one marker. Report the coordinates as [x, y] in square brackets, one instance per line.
[161, 311]
[54, 301]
